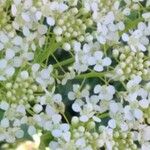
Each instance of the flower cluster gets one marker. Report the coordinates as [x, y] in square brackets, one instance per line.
[74, 74]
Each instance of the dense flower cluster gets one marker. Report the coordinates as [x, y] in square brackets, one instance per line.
[75, 74]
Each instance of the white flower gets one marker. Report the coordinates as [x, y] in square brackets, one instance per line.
[43, 77]
[135, 40]
[101, 63]
[105, 92]
[133, 113]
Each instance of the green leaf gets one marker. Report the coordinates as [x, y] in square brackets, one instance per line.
[45, 140]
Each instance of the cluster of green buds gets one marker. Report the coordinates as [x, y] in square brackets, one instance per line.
[132, 63]
[72, 24]
[123, 141]
[85, 131]
[22, 91]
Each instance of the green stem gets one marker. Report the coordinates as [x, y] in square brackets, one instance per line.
[59, 65]
[63, 63]
[48, 51]
[104, 115]
[91, 75]
[88, 75]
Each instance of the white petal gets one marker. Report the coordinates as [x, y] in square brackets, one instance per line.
[17, 40]
[64, 127]
[3, 38]
[35, 67]
[56, 118]
[125, 37]
[98, 68]
[42, 29]
[97, 89]
[76, 107]
[57, 98]
[146, 133]
[3, 63]
[13, 10]
[19, 133]
[106, 61]
[67, 136]
[112, 123]
[4, 105]
[50, 21]
[25, 17]
[17, 61]
[124, 126]
[144, 103]
[98, 55]
[101, 39]
[84, 118]
[96, 119]
[10, 54]
[17, 2]
[91, 61]
[38, 15]
[9, 71]
[138, 114]
[31, 130]
[141, 47]
[57, 133]
[4, 123]
[113, 107]
[24, 75]
[71, 95]
[26, 31]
